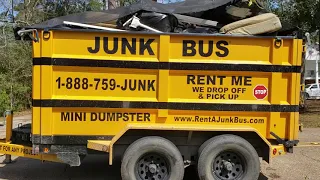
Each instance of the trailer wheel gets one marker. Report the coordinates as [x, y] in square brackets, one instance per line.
[152, 158]
[227, 157]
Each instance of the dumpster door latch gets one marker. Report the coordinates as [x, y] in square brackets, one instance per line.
[288, 144]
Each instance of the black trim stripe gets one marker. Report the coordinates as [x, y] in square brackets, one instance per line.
[164, 65]
[65, 139]
[166, 105]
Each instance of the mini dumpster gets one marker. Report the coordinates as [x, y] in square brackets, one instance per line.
[165, 101]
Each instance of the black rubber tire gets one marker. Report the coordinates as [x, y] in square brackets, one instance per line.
[153, 144]
[214, 146]
[203, 145]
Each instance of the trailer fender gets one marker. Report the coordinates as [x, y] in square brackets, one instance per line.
[185, 128]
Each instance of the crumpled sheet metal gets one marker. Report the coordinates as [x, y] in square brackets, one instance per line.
[91, 17]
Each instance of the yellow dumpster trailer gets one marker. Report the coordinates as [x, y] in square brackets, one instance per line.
[162, 101]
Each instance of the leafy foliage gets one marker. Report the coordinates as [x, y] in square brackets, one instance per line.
[15, 74]
[16, 56]
[304, 14]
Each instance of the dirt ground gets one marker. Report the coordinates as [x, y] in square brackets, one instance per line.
[304, 163]
[311, 118]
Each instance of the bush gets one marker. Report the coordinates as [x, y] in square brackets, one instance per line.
[4, 102]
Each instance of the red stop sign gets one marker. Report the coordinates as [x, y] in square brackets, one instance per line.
[260, 92]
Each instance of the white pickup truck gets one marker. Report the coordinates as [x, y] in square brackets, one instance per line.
[312, 91]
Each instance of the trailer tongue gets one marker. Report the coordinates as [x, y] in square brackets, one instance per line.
[9, 149]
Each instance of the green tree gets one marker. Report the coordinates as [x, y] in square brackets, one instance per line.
[304, 14]
[16, 56]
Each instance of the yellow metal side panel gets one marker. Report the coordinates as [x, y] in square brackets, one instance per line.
[165, 48]
[279, 124]
[273, 124]
[295, 99]
[275, 90]
[225, 49]
[255, 120]
[163, 93]
[82, 83]
[296, 124]
[215, 87]
[291, 126]
[163, 85]
[276, 53]
[294, 85]
[36, 94]
[114, 46]
[47, 123]
[105, 46]
[284, 55]
[130, 89]
[36, 82]
[36, 120]
[284, 94]
[46, 82]
[97, 121]
[294, 53]
[46, 45]
[300, 50]
[227, 87]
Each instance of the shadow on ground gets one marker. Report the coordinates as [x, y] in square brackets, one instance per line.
[93, 167]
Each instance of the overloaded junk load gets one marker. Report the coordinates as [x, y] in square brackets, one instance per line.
[240, 17]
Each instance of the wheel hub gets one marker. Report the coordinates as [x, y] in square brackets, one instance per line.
[227, 166]
[152, 167]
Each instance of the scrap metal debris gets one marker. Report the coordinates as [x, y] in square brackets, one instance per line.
[191, 16]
